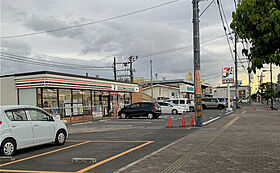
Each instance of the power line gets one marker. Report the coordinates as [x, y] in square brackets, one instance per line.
[174, 49]
[225, 17]
[90, 23]
[220, 12]
[51, 62]
[206, 8]
[47, 64]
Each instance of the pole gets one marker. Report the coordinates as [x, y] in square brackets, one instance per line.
[196, 49]
[250, 88]
[236, 69]
[115, 69]
[131, 70]
[271, 83]
[152, 91]
[228, 97]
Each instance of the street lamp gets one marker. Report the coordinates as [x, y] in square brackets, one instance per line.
[271, 84]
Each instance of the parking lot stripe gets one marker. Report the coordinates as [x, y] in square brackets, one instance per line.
[38, 155]
[114, 157]
[28, 171]
[106, 141]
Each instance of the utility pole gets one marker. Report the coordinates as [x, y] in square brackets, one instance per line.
[130, 69]
[236, 69]
[115, 69]
[125, 68]
[197, 82]
[250, 101]
[152, 91]
[271, 83]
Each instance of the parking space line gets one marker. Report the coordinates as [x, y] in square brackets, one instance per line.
[104, 141]
[42, 154]
[28, 171]
[209, 121]
[114, 157]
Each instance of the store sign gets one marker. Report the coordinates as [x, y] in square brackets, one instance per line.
[136, 89]
[228, 76]
[190, 89]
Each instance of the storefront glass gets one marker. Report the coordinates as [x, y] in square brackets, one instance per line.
[87, 102]
[127, 99]
[64, 102]
[77, 102]
[50, 100]
[39, 101]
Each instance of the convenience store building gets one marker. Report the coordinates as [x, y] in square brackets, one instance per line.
[70, 96]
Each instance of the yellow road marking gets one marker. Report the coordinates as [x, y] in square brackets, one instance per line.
[114, 157]
[28, 171]
[38, 155]
[106, 141]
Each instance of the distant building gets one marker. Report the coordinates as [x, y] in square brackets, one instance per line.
[168, 89]
[222, 91]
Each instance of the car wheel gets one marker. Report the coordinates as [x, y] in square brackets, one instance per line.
[123, 116]
[60, 137]
[203, 107]
[150, 115]
[220, 107]
[174, 111]
[191, 109]
[156, 116]
[8, 147]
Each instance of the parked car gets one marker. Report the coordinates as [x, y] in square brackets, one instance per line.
[170, 108]
[27, 126]
[222, 99]
[212, 103]
[183, 102]
[191, 105]
[148, 109]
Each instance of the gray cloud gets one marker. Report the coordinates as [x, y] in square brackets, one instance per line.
[159, 29]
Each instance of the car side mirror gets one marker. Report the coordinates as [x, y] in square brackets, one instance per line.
[51, 118]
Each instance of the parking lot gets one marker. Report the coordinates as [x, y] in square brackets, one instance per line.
[114, 143]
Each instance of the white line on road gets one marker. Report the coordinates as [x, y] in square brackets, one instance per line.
[123, 122]
[228, 112]
[207, 122]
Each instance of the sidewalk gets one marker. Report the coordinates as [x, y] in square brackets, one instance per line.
[246, 141]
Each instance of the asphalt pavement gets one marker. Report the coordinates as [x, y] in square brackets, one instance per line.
[114, 143]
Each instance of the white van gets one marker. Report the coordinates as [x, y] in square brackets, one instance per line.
[27, 126]
[184, 102]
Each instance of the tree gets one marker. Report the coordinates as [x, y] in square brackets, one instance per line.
[266, 91]
[258, 22]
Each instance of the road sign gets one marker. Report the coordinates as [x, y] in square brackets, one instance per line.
[228, 75]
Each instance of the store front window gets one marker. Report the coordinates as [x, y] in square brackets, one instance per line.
[77, 102]
[87, 102]
[64, 102]
[127, 99]
[50, 100]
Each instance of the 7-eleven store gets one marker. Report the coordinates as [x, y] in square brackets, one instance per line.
[72, 97]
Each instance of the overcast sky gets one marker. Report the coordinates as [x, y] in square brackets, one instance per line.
[155, 30]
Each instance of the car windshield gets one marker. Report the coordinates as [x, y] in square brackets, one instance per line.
[172, 104]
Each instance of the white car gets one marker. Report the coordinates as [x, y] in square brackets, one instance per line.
[27, 126]
[170, 108]
[183, 102]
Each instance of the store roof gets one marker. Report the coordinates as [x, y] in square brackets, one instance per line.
[63, 74]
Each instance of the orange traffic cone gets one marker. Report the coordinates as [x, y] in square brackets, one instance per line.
[169, 122]
[192, 123]
[254, 108]
[183, 121]
[266, 108]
